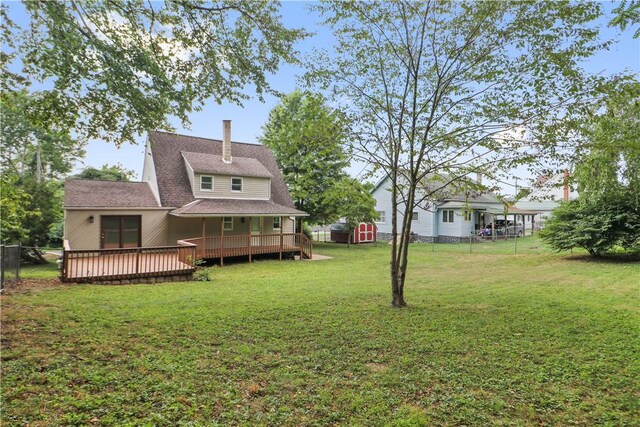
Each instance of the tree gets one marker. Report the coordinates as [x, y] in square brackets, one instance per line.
[448, 89]
[106, 173]
[35, 156]
[114, 69]
[596, 224]
[307, 139]
[607, 211]
[351, 200]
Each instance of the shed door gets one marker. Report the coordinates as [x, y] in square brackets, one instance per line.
[120, 231]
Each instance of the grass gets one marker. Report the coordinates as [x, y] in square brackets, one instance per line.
[531, 339]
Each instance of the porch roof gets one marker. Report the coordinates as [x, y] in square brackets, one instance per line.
[235, 207]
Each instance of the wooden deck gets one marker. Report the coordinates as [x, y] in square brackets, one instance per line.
[122, 264]
[221, 247]
[136, 263]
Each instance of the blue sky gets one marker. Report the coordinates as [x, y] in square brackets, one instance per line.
[248, 120]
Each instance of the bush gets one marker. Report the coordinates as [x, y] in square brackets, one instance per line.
[595, 224]
[202, 275]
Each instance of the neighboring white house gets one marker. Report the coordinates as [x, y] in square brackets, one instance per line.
[452, 219]
[546, 197]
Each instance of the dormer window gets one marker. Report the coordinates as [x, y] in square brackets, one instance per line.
[236, 184]
[206, 183]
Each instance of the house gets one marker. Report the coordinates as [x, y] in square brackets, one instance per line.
[547, 194]
[221, 197]
[451, 218]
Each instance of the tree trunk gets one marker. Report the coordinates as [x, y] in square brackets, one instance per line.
[400, 253]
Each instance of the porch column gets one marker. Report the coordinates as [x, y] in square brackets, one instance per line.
[533, 223]
[249, 237]
[221, 241]
[493, 228]
[204, 238]
[281, 228]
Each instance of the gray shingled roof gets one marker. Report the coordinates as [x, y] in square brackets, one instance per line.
[212, 163]
[79, 193]
[235, 207]
[173, 181]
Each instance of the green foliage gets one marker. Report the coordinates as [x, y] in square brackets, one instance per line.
[46, 199]
[596, 224]
[32, 144]
[312, 343]
[202, 275]
[447, 88]
[627, 14]
[351, 200]
[607, 212]
[106, 173]
[35, 155]
[14, 209]
[116, 69]
[308, 139]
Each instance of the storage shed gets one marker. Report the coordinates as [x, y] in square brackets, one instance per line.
[362, 233]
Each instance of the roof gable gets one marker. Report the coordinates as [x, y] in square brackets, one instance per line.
[213, 163]
[173, 180]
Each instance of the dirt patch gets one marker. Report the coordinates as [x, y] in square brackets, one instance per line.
[318, 257]
[28, 285]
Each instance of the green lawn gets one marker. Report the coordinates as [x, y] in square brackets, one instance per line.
[489, 338]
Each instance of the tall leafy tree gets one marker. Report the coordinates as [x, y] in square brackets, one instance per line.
[114, 69]
[447, 88]
[607, 211]
[307, 138]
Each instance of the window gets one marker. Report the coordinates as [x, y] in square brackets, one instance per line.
[414, 216]
[467, 215]
[276, 223]
[228, 223]
[206, 183]
[120, 231]
[447, 215]
[236, 184]
[381, 217]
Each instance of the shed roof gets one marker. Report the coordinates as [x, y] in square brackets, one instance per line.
[80, 193]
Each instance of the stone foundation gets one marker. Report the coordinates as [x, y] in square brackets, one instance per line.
[416, 238]
[187, 277]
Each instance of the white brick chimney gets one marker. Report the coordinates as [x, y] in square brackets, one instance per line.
[226, 141]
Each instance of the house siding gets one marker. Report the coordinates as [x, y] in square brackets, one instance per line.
[252, 187]
[423, 226]
[189, 228]
[82, 234]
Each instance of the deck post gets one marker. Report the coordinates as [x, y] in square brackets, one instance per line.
[301, 233]
[221, 241]
[281, 235]
[138, 253]
[204, 238]
[249, 237]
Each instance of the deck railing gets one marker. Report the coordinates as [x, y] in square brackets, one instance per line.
[249, 244]
[130, 263]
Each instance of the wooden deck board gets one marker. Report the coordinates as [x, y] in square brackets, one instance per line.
[123, 265]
